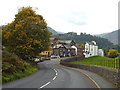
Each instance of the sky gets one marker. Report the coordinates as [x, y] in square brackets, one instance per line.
[87, 16]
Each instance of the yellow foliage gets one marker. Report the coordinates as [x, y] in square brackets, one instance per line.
[23, 33]
[27, 33]
[113, 50]
[36, 42]
[112, 53]
[7, 35]
[18, 25]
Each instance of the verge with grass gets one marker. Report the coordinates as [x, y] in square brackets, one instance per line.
[101, 61]
[17, 75]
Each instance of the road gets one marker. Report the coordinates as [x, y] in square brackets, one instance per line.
[53, 75]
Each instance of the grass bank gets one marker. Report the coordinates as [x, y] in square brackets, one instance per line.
[101, 61]
[14, 68]
[6, 77]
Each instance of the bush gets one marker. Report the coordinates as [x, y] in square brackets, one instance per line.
[11, 63]
[112, 53]
[14, 68]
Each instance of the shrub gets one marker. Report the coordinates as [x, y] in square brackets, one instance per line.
[112, 53]
[14, 68]
[11, 63]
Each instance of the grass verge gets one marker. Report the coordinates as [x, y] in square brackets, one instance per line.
[17, 75]
[101, 61]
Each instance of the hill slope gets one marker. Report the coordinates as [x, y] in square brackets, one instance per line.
[54, 32]
[112, 36]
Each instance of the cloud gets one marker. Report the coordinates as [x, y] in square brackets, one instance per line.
[90, 16]
[76, 18]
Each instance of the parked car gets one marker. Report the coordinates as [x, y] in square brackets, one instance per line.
[44, 57]
[47, 58]
[38, 60]
[55, 57]
[41, 60]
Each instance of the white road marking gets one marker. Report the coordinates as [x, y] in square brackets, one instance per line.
[56, 72]
[92, 80]
[84, 74]
[54, 78]
[44, 85]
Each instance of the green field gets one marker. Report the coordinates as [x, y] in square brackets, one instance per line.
[101, 61]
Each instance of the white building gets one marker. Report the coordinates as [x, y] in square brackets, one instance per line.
[91, 49]
[100, 52]
[75, 49]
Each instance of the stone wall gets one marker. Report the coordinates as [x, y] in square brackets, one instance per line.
[112, 75]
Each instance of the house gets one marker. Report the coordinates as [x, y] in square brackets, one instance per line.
[66, 42]
[100, 52]
[79, 49]
[65, 48]
[91, 49]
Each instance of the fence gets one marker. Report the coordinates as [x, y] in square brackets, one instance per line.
[101, 61]
[112, 63]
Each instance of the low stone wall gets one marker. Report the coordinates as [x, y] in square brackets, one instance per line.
[112, 75]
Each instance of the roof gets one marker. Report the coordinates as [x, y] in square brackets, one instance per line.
[91, 43]
[61, 45]
[67, 46]
[52, 38]
[65, 41]
[57, 46]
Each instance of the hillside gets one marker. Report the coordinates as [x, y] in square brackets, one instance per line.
[52, 31]
[83, 38]
[112, 36]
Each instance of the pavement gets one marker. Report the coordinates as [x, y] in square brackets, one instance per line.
[53, 75]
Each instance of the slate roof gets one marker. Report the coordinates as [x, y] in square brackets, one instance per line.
[65, 41]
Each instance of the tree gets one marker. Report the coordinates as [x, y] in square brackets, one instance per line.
[112, 53]
[27, 35]
[106, 50]
[82, 45]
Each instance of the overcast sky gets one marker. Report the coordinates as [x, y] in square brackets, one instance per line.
[89, 16]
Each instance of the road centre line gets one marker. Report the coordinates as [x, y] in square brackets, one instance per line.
[52, 79]
[44, 85]
[56, 74]
[55, 70]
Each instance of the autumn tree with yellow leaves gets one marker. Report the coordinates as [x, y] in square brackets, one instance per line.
[27, 35]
